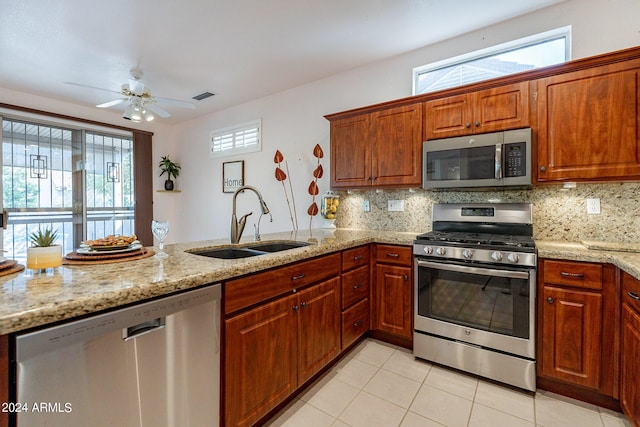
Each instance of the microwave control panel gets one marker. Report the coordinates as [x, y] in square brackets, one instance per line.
[515, 159]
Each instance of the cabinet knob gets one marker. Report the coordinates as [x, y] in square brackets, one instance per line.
[296, 308]
[303, 305]
[543, 168]
[467, 125]
[550, 300]
[477, 124]
[405, 277]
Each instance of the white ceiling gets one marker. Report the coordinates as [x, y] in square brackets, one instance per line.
[238, 49]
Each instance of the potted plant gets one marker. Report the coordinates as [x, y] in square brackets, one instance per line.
[44, 253]
[172, 169]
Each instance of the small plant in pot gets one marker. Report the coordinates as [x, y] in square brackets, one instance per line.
[44, 253]
[172, 169]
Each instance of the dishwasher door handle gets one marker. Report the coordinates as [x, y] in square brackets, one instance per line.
[143, 328]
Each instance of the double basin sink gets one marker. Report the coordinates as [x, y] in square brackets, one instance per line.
[254, 249]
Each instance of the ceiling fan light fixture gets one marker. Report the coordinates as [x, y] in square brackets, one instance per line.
[128, 112]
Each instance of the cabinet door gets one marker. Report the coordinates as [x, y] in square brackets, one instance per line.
[501, 108]
[446, 117]
[318, 327]
[392, 300]
[397, 153]
[630, 374]
[588, 124]
[571, 328]
[260, 341]
[351, 152]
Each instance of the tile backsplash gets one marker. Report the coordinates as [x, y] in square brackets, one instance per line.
[558, 213]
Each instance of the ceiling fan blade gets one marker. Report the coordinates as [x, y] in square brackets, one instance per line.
[155, 109]
[93, 87]
[112, 103]
[175, 102]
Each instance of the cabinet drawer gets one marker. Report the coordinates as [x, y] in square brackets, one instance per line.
[352, 258]
[355, 286]
[631, 291]
[355, 322]
[393, 254]
[250, 290]
[574, 274]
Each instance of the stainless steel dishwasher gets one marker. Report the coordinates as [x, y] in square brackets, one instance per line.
[151, 364]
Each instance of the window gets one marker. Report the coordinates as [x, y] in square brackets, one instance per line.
[242, 138]
[540, 50]
[76, 181]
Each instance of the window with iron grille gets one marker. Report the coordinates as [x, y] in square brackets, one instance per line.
[241, 138]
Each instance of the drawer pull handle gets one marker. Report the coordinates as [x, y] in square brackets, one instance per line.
[357, 323]
[358, 286]
[301, 276]
[572, 275]
[634, 295]
[392, 255]
[550, 300]
[357, 258]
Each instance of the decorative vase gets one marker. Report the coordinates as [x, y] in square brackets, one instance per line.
[168, 185]
[40, 258]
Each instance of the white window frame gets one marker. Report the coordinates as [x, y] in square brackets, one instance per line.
[235, 136]
[496, 50]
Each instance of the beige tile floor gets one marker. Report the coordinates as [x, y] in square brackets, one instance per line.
[377, 384]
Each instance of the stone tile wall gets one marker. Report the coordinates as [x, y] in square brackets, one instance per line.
[558, 214]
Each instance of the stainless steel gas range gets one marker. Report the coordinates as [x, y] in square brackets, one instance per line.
[475, 276]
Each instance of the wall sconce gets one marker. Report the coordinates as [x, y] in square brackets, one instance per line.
[113, 172]
[38, 166]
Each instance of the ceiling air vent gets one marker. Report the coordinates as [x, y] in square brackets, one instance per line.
[203, 95]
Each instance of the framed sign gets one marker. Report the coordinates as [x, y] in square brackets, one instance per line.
[232, 176]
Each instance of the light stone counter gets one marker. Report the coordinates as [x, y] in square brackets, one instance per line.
[28, 300]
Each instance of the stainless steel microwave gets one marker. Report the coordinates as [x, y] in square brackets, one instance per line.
[498, 159]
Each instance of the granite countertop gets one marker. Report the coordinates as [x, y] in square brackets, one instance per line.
[29, 299]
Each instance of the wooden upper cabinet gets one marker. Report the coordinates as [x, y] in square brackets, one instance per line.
[383, 148]
[351, 151]
[587, 123]
[397, 150]
[501, 108]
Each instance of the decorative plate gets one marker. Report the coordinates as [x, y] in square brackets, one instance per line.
[99, 250]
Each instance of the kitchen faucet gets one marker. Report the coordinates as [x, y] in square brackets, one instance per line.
[237, 227]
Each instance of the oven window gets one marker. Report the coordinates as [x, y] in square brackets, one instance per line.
[489, 303]
[465, 164]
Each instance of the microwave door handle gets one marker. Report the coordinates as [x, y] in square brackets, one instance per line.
[474, 270]
[498, 161]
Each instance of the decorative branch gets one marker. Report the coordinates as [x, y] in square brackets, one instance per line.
[313, 187]
[282, 176]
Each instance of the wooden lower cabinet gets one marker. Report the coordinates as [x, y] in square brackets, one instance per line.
[260, 361]
[630, 360]
[572, 332]
[578, 338]
[393, 291]
[272, 349]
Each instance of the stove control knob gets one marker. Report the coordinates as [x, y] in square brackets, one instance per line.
[441, 251]
[467, 253]
[428, 250]
[496, 256]
[513, 258]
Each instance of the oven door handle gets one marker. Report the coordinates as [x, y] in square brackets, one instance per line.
[475, 270]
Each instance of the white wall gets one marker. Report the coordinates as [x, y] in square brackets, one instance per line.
[293, 120]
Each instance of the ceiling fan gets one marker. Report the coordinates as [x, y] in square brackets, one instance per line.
[140, 104]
